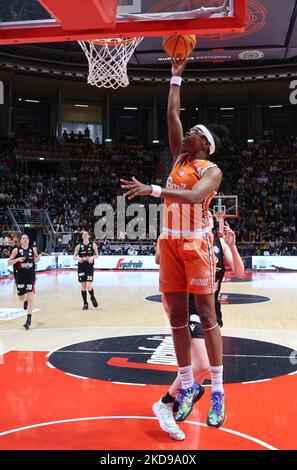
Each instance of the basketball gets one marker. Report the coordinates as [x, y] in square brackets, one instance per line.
[179, 46]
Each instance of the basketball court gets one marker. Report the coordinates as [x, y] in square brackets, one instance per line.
[87, 380]
[76, 378]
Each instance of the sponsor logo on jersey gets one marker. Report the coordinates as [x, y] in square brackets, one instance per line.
[199, 170]
[171, 185]
[199, 282]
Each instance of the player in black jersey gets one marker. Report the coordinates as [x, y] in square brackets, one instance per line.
[23, 260]
[226, 253]
[86, 253]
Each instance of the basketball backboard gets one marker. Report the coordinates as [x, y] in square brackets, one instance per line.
[225, 206]
[33, 21]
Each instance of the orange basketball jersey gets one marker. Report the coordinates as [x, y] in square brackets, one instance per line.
[180, 219]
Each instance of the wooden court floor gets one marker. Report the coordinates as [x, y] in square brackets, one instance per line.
[87, 379]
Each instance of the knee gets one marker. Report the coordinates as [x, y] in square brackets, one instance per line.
[207, 317]
[178, 318]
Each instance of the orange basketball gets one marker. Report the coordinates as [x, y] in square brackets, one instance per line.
[179, 46]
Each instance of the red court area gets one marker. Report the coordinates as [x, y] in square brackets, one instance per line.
[44, 408]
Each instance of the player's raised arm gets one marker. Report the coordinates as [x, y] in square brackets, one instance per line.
[175, 128]
[231, 255]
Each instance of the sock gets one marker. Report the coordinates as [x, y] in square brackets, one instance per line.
[84, 296]
[216, 373]
[29, 318]
[167, 399]
[186, 375]
[91, 292]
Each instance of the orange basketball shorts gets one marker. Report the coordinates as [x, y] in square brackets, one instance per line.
[187, 265]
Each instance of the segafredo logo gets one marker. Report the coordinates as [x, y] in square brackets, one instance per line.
[12, 313]
[131, 264]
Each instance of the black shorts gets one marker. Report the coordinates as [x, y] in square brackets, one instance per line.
[85, 272]
[25, 284]
[195, 327]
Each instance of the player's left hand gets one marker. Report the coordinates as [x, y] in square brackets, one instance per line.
[91, 259]
[228, 235]
[135, 188]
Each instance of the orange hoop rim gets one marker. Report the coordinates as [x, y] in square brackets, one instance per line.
[112, 41]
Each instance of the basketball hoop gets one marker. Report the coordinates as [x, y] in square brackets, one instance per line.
[108, 60]
[224, 207]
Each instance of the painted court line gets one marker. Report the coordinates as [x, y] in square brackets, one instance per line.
[94, 418]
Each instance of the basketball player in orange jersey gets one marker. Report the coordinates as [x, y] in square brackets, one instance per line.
[23, 259]
[86, 253]
[226, 253]
[187, 263]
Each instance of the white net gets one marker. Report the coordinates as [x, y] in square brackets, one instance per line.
[108, 60]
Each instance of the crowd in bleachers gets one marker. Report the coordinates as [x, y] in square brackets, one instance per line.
[262, 175]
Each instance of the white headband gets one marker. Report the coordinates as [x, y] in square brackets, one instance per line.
[209, 137]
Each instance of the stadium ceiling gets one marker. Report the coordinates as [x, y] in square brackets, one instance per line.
[270, 39]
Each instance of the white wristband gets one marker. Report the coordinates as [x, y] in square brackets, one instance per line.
[156, 190]
[176, 80]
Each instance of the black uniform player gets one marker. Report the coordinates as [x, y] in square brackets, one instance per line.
[226, 253]
[194, 323]
[23, 259]
[86, 253]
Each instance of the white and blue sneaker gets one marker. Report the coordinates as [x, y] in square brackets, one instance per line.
[164, 414]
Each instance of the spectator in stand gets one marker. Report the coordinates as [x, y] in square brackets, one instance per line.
[87, 133]
[262, 176]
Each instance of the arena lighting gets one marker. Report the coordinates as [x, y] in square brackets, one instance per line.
[250, 141]
[27, 225]
[130, 108]
[32, 101]
[182, 109]
[276, 106]
[226, 109]
[81, 105]
[107, 141]
[196, 109]
[155, 141]
[41, 158]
